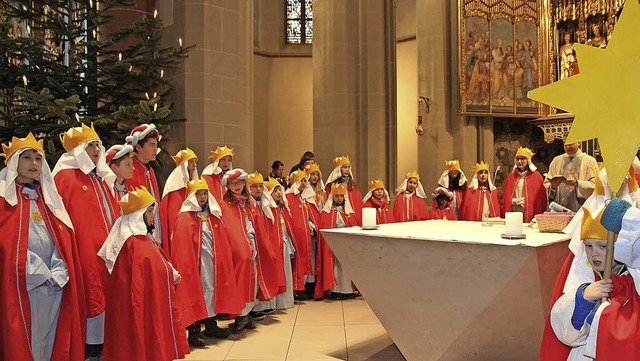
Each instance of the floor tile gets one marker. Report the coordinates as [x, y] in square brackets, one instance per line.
[317, 341]
[320, 313]
[358, 312]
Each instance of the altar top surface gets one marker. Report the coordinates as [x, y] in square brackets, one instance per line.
[456, 232]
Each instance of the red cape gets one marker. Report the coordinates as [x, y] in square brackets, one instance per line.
[15, 323]
[355, 198]
[268, 267]
[140, 178]
[142, 320]
[553, 349]
[383, 215]
[474, 202]
[187, 240]
[325, 259]
[214, 181]
[300, 214]
[85, 206]
[449, 214]
[417, 208]
[169, 209]
[275, 230]
[535, 195]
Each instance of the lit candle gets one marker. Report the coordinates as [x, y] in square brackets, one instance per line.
[119, 56]
[180, 41]
[368, 218]
[513, 221]
[24, 80]
[155, 14]
[155, 107]
[146, 95]
[77, 117]
[161, 73]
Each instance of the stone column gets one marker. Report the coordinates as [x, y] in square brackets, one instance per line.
[354, 86]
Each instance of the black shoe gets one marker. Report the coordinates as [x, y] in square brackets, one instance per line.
[309, 289]
[239, 324]
[211, 329]
[195, 340]
[257, 316]
[250, 324]
[301, 296]
[269, 311]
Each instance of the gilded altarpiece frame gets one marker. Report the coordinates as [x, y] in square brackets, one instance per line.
[503, 54]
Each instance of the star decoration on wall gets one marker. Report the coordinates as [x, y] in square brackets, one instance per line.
[604, 95]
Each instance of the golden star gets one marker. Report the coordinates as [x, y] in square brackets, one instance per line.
[603, 95]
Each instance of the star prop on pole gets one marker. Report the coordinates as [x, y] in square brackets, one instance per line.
[603, 96]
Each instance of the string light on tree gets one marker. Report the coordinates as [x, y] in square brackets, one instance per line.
[146, 95]
[162, 73]
[155, 14]
[24, 80]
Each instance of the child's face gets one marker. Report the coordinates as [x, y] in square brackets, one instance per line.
[93, 149]
[412, 184]
[454, 174]
[192, 164]
[303, 184]
[313, 177]
[378, 193]
[225, 163]
[522, 163]
[443, 201]
[346, 170]
[202, 196]
[338, 198]
[149, 215]
[596, 251]
[237, 186]
[277, 194]
[256, 190]
[124, 169]
[483, 176]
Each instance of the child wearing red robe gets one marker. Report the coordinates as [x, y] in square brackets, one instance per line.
[202, 255]
[441, 206]
[314, 178]
[378, 198]
[337, 213]
[142, 317]
[83, 180]
[42, 303]
[524, 190]
[120, 160]
[305, 217]
[410, 203]
[213, 173]
[454, 180]
[174, 193]
[481, 201]
[343, 173]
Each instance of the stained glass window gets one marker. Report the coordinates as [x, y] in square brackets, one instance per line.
[299, 21]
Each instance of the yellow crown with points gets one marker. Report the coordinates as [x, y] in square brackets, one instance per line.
[29, 142]
[271, 183]
[196, 185]
[183, 156]
[591, 227]
[338, 188]
[136, 200]
[340, 161]
[312, 168]
[255, 178]
[412, 174]
[480, 166]
[375, 184]
[78, 135]
[296, 176]
[599, 187]
[219, 153]
[452, 165]
[525, 152]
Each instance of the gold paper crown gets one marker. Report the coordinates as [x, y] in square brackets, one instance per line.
[480, 166]
[340, 161]
[296, 176]
[219, 153]
[525, 152]
[452, 165]
[136, 200]
[21, 143]
[78, 136]
[599, 187]
[375, 184]
[196, 185]
[183, 156]
[255, 178]
[312, 168]
[412, 174]
[271, 183]
[591, 227]
[338, 188]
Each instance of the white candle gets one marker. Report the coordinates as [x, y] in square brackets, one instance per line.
[368, 218]
[513, 221]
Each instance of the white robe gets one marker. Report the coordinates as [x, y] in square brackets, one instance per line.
[344, 282]
[583, 170]
[285, 299]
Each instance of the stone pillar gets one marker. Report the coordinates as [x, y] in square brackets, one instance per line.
[354, 86]
[214, 89]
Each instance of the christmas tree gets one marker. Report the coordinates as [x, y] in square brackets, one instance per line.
[63, 61]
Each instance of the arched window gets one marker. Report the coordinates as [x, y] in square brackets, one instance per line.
[299, 22]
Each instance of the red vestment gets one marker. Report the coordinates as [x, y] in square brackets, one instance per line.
[448, 214]
[301, 237]
[355, 198]
[187, 239]
[325, 259]
[144, 175]
[15, 322]
[214, 181]
[82, 198]
[267, 261]
[275, 230]
[233, 217]
[474, 204]
[535, 195]
[553, 349]
[410, 209]
[383, 214]
[142, 319]
[169, 209]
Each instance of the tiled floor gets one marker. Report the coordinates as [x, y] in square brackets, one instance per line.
[311, 331]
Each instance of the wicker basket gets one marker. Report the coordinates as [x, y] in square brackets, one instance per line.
[551, 222]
